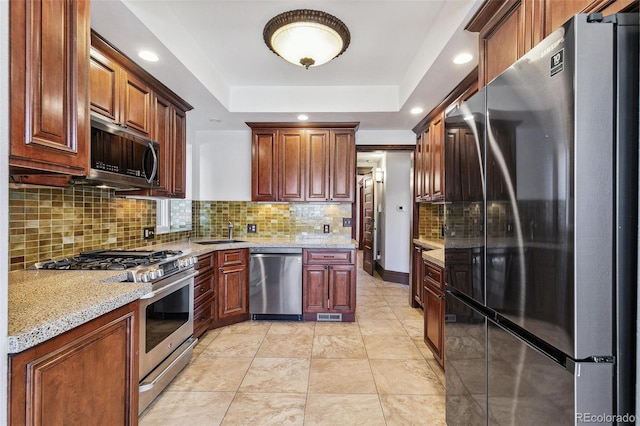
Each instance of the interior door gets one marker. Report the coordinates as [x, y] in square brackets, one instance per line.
[368, 223]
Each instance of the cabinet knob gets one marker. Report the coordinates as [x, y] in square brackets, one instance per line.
[221, 269]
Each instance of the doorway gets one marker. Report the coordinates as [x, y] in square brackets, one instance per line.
[382, 212]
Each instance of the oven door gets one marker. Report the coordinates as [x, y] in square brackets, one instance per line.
[166, 319]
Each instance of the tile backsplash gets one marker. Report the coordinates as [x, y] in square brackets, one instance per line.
[273, 220]
[52, 223]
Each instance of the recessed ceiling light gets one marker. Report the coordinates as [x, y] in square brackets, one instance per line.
[416, 110]
[303, 117]
[148, 55]
[463, 58]
[215, 120]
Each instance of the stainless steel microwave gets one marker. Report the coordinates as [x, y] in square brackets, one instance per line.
[121, 159]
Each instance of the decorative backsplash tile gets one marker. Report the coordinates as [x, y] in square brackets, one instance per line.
[47, 224]
[52, 223]
[273, 220]
[430, 222]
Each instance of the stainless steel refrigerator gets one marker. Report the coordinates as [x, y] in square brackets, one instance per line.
[545, 331]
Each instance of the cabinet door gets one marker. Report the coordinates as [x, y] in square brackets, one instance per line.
[434, 322]
[426, 165]
[162, 113]
[135, 104]
[315, 294]
[179, 153]
[292, 147]
[104, 78]
[232, 291]
[203, 313]
[437, 159]
[49, 81]
[342, 288]
[86, 375]
[471, 173]
[502, 45]
[453, 165]
[318, 165]
[417, 170]
[264, 165]
[342, 165]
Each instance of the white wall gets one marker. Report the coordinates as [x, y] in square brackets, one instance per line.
[4, 201]
[385, 137]
[397, 211]
[222, 165]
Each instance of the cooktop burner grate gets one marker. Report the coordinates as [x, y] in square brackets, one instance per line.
[110, 260]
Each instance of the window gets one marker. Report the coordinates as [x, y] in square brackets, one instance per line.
[173, 216]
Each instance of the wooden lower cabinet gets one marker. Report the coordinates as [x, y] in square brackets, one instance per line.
[232, 280]
[204, 295]
[328, 283]
[416, 277]
[433, 300]
[88, 375]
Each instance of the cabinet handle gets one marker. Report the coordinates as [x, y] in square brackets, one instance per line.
[328, 257]
[441, 297]
[221, 269]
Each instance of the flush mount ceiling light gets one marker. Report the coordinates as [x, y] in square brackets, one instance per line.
[306, 37]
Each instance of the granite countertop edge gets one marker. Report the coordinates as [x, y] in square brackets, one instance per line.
[34, 318]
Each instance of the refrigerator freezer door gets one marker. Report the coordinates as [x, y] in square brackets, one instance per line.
[550, 190]
[526, 387]
[465, 364]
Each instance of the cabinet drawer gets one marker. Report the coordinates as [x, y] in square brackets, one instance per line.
[433, 276]
[232, 257]
[328, 257]
[203, 287]
[204, 262]
[203, 317]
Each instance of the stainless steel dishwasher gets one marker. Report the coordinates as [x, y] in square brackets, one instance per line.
[275, 283]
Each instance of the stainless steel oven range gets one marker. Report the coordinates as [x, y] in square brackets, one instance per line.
[166, 313]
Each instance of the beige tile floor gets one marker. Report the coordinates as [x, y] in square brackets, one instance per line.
[375, 371]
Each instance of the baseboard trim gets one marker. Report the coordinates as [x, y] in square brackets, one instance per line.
[392, 276]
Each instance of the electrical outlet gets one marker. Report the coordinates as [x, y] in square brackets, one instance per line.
[346, 222]
[326, 229]
[252, 228]
[149, 232]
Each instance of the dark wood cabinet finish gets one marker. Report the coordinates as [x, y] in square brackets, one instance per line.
[318, 162]
[49, 86]
[264, 165]
[433, 300]
[117, 93]
[342, 161]
[204, 293]
[436, 149]
[462, 166]
[510, 28]
[292, 146]
[233, 286]
[127, 95]
[328, 283]
[293, 162]
[86, 375]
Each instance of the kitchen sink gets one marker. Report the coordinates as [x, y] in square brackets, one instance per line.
[220, 241]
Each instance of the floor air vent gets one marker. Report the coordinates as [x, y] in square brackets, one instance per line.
[329, 317]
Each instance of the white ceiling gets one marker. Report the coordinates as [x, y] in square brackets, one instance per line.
[212, 54]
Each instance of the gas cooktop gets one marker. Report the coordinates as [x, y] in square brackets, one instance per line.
[110, 260]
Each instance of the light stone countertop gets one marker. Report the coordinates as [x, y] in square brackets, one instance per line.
[44, 304]
[433, 250]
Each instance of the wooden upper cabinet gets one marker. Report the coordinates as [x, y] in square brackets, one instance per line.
[116, 93]
[49, 79]
[318, 165]
[510, 28]
[342, 163]
[125, 94]
[292, 166]
[297, 163]
[264, 165]
[437, 159]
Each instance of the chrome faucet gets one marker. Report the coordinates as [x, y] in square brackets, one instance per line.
[230, 230]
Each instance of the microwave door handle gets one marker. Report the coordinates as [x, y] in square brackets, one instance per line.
[152, 175]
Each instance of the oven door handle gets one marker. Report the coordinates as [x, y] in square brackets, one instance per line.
[168, 287]
[143, 387]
